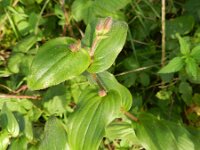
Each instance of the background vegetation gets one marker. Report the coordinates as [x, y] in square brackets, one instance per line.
[159, 66]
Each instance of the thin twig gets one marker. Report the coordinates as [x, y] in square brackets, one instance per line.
[163, 35]
[19, 96]
[131, 116]
[135, 70]
[67, 24]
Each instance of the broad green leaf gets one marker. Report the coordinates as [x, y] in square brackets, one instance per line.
[191, 67]
[55, 63]
[155, 134]
[123, 131]
[4, 139]
[181, 25]
[55, 137]
[19, 143]
[110, 83]
[8, 121]
[174, 65]
[108, 48]
[195, 53]
[112, 5]
[88, 122]
[25, 44]
[184, 45]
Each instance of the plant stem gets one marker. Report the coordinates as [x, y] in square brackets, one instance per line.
[129, 115]
[163, 35]
[19, 96]
[67, 24]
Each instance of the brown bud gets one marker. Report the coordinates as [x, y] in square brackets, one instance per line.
[102, 93]
[75, 46]
[100, 27]
[107, 25]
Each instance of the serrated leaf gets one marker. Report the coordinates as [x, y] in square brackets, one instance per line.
[55, 63]
[55, 137]
[25, 44]
[153, 134]
[108, 48]
[87, 124]
[110, 83]
[191, 67]
[184, 45]
[174, 65]
[195, 53]
[8, 121]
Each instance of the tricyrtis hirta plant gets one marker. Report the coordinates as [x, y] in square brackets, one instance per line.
[64, 58]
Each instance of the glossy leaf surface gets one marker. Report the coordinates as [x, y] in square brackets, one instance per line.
[110, 83]
[108, 48]
[55, 63]
[87, 124]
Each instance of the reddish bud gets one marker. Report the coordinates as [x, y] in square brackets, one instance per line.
[108, 24]
[102, 93]
[75, 46]
[100, 27]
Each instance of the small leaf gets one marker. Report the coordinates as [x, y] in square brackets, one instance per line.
[174, 65]
[108, 48]
[195, 53]
[55, 63]
[55, 137]
[186, 90]
[4, 139]
[87, 124]
[9, 121]
[19, 143]
[191, 67]
[184, 45]
[25, 44]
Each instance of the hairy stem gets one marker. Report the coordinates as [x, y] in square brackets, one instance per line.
[163, 35]
[19, 96]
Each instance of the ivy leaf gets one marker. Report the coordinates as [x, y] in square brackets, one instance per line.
[55, 136]
[87, 124]
[110, 83]
[174, 65]
[191, 67]
[184, 45]
[55, 63]
[108, 48]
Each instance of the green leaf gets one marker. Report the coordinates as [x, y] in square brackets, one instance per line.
[174, 65]
[110, 83]
[191, 67]
[112, 5]
[8, 121]
[181, 25]
[108, 48]
[28, 131]
[123, 131]
[54, 101]
[195, 53]
[87, 124]
[55, 63]
[156, 134]
[186, 90]
[14, 62]
[55, 137]
[4, 139]
[184, 45]
[19, 143]
[25, 44]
